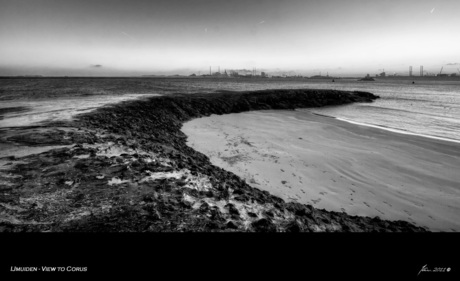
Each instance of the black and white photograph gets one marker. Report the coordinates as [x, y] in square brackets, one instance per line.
[223, 121]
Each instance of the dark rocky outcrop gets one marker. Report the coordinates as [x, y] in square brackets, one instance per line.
[131, 170]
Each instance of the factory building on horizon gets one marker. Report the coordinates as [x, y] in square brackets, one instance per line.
[234, 73]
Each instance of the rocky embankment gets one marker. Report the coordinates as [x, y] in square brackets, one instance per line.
[127, 168]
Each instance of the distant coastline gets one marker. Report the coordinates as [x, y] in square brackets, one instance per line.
[311, 78]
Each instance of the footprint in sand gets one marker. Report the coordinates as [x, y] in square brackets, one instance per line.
[379, 211]
[407, 212]
[387, 203]
[342, 209]
[283, 182]
[282, 170]
[431, 218]
[316, 201]
[303, 192]
[365, 203]
[323, 193]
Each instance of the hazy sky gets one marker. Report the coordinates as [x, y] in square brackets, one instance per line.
[341, 36]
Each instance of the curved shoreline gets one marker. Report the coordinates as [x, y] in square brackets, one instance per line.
[336, 165]
[389, 129]
[399, 131]
[131, 170]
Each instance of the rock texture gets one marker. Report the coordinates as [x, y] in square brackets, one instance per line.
[127, 168]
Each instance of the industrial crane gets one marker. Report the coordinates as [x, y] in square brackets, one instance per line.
[440, 73]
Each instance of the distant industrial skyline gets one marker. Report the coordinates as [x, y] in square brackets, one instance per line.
[124, 38]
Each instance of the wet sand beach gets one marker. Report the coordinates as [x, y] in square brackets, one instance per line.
[335, 165]
[127, 167]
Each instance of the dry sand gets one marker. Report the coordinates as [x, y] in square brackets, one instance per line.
[335, 165]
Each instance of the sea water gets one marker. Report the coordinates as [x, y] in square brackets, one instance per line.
[427, 107]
